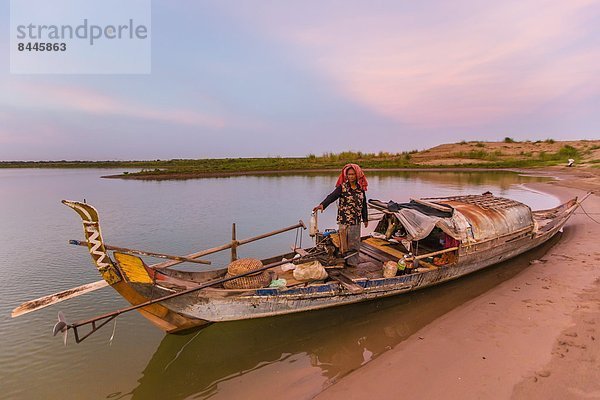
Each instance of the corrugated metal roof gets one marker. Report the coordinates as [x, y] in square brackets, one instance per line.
[488, 215]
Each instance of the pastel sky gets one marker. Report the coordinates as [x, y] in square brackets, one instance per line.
[255, 78]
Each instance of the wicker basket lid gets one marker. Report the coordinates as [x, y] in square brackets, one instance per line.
[243, 265]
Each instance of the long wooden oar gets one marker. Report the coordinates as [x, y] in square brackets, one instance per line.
[45, 301]
[62, 326]
[51, 299]
[37, 304]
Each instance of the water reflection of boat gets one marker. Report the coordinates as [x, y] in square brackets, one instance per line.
[449, 237]
[332, 342]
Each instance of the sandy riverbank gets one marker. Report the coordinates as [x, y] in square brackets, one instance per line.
[536, 336]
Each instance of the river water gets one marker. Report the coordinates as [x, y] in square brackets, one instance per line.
[292, 356]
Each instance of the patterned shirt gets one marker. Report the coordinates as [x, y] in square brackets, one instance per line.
[352, 207]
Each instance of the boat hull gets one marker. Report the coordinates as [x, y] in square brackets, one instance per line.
[210, 305]
[139, 284]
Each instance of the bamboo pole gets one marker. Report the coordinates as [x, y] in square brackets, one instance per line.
[234, 244]
[144, 253]
[300, 224]
[435, 253]
[433, 205]
[226, 246]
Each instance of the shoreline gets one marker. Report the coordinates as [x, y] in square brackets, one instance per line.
[535, 336]
[201, 175]
[474, 156]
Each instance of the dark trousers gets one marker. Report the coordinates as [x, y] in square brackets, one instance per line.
[350, 241]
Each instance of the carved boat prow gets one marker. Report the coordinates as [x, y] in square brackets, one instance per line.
[126, 272]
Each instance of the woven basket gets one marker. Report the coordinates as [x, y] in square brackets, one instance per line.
[255, 281]
[243, 265]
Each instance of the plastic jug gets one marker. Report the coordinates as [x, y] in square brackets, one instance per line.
[314, 226]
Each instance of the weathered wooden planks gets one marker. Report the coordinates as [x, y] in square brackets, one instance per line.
[384, 246]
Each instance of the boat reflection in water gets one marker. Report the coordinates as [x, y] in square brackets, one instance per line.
[300, 354]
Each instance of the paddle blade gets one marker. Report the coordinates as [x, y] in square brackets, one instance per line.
[37, 304]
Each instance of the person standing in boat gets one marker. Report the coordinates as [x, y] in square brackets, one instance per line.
[350, 190]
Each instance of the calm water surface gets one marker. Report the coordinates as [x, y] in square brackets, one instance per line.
[297, 354]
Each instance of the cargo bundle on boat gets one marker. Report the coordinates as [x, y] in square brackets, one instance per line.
[415, 245]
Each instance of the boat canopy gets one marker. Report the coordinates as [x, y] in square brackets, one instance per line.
[470, 218]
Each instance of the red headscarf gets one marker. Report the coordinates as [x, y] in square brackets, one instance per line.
[361, 179]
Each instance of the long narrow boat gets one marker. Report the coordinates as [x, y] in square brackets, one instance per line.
[448, 237]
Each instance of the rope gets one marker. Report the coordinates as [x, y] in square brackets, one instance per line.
[113, 334]
[588, 215]
[181, 350]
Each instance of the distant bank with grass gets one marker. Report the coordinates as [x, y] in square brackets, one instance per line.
[475, 154]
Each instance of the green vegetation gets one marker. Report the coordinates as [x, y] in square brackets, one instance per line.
[509, 140]
[232, 165]
[567, 152]
[498, 161]
[478, 155]
[81, 164]
[183, 168]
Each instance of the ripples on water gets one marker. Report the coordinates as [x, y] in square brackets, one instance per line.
[295, 354]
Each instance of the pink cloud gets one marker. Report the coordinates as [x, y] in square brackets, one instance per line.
[458, 64]
[13, 132]
[79, 99]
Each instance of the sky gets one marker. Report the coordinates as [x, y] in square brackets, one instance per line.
[272, 78]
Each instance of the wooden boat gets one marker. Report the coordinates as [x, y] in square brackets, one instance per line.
[478, 231]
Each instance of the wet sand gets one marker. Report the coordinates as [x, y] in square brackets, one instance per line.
[535, 336]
